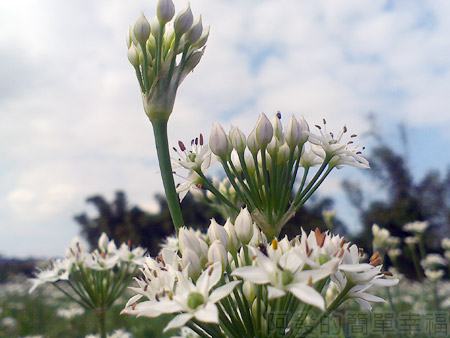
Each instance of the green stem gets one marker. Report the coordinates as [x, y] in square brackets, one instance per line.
[162, 148]
[102, 322]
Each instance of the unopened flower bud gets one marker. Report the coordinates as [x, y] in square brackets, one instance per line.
[203, 38]
[244, 226]
[203, 251]
[283, 153]
[255, 307]
[284, 245]
[272, 147]
[250, 163]
[192, 62]
[268, 160]
[218, 232]
[217, 253]
[234, 241]
[154, 24]
[196, 30]
[141, 29]
[188, 240]
[218, 141]
[248, 289]
[258, 237]
[128, 37]
[103, 241]
[292, 133]
[252, 143]
[235, 160]
[276, 125]
[237, 139]
[263, 131]
[184, 20]
[133, 56]
[165, 11]
[190, 259]
[304, 128]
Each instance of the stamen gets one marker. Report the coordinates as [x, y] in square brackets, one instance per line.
[279, 115]
[196, 141]
[181, 145]
[324, 122]
[309, 281]
[353, 135]
[344, 129]
[201, 139]
[317, 126]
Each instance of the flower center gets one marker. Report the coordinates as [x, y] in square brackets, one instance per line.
[195, 299]
[286, 277]
[192, 157]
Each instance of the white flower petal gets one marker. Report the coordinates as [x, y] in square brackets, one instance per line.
[179, 321]
[274, 292]
[253, 274]
[355, 267]
[308, 295]
[222, 291]
[208, 313]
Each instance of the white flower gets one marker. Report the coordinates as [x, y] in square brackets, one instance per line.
[69, 312]
[59, 270]
[411, 240]
[445, 243]
[380, 238]
[434, 275]
[198, 158]
[338, 153]
[193, 300]
[285, 274]
[416, 227]
[432, 261]
[360, 277]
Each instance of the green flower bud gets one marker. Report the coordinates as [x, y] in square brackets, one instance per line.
[183, 21]
[165, 11]
[141, 29]
[133, 56]
[195, 32]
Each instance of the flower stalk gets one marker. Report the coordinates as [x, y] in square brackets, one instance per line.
[162, 148]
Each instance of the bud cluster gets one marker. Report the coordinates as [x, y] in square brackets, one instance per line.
[262, 167]
[163, 51]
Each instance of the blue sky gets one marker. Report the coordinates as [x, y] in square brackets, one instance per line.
[71, 118]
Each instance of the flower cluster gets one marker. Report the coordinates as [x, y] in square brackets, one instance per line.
[236, 265]
[163, 52]
[94, 279]
[262, 167]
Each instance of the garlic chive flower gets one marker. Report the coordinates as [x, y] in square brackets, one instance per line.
[271, 169]
[153, 50]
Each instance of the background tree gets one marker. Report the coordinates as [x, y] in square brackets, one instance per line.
[406, 198]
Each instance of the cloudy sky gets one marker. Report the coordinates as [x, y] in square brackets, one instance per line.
[71, 118]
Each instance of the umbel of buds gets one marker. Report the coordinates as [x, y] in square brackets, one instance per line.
[163, 52]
